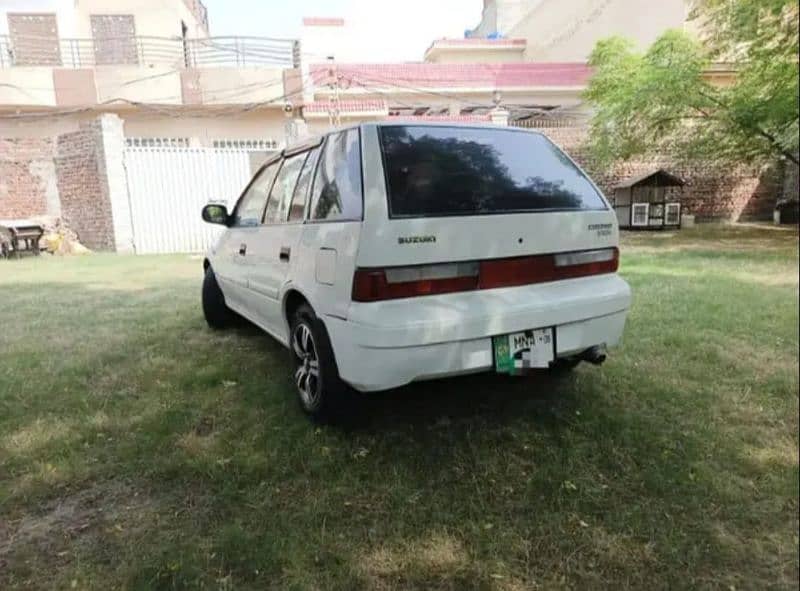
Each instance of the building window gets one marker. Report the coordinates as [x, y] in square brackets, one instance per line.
[34, 39]
[157, 142]
[673, 214]
[641, 214]
[264, 145]
[114, 38]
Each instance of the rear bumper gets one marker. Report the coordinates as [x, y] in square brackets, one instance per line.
[388, 344]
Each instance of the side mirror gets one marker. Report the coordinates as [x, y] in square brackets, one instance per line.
[215, 213]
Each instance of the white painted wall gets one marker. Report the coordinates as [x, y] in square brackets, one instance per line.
[499, 16]
[27, 86]
[558, 30]
[561, 31]
[474, 55]
[160, 84]
[262, 124]
[320, 41]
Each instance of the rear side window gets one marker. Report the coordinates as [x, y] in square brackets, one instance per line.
[444, 171]
[283, 189]
[251, 205]
[336, 193]
[298, 208]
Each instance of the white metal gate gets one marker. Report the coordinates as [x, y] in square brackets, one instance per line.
[167, 188]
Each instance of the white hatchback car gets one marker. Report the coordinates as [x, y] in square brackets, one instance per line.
[388, 253]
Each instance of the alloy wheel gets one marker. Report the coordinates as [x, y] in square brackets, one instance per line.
[306, 376]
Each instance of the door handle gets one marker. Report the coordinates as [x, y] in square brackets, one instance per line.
[286, 252]
[243, 249]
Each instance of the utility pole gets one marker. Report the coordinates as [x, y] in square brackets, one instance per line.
[334, 107]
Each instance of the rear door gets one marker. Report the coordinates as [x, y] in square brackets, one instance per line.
[436, 194]
[327, 248]
[274, 246]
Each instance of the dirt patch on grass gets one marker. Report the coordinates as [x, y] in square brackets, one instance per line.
[438, 555]
[95, 511]
[37, 434]
[762, 361]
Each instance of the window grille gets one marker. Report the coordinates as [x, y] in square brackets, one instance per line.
[157, 142]
[641, 214]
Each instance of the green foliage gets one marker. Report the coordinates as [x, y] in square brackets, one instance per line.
[663, 101]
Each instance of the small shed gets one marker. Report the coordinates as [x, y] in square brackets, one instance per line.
[651, 201]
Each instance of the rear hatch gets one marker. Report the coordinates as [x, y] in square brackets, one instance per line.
[452, 208]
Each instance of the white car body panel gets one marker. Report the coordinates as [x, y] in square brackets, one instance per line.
[385, 344]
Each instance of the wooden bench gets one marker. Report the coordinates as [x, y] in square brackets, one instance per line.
[18, 235]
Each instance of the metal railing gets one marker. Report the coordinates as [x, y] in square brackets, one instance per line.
[222, 52]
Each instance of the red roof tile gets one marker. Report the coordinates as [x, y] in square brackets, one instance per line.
[503, 75]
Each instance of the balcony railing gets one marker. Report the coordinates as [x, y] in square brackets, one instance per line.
[209, 52]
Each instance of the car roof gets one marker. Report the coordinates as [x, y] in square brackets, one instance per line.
[313, 141]
[400, 121]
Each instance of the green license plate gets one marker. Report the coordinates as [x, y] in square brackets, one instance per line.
[518, 352]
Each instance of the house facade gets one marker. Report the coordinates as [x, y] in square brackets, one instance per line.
[117, 117]
[151, 62]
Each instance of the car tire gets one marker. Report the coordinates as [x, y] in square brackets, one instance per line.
[215, 310]
[322, 395]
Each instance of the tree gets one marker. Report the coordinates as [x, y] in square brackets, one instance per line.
[660, 101]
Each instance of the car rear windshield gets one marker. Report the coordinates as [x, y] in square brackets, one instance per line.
[436, 171]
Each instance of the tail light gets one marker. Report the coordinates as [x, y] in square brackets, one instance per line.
[372, 284]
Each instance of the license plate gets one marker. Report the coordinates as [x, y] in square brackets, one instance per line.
[520, 351]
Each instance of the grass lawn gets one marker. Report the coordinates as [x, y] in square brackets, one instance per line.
[139, 449]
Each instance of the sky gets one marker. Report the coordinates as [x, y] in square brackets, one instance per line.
[397, 30]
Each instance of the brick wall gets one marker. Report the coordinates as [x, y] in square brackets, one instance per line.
[26, 177]
[82, 186]
[744, 193]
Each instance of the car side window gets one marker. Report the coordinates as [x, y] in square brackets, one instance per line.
[337, 194]
[283, 189]
[251, 205]
[297, 209]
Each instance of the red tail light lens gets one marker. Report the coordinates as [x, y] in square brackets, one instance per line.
[586, 262]
[371, 285]
[517, 271]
